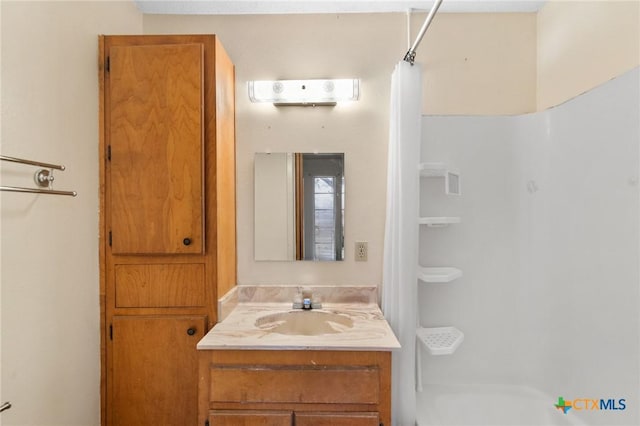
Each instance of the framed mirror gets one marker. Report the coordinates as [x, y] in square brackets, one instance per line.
[299, 206]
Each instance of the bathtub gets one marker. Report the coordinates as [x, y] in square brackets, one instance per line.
[489, 405]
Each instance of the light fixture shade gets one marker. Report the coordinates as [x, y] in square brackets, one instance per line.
[304, 92]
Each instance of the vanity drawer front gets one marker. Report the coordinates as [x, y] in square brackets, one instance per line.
[249, 418]
[295, 384]
[336, 419]
[160, 286]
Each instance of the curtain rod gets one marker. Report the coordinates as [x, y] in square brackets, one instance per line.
[410, 56]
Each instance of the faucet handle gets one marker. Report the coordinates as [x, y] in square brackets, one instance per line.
[297, 300]
[316, 302]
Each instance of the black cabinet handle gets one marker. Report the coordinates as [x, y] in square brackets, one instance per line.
[191, 331]
[186, 241]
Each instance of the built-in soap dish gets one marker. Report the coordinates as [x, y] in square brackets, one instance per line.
[438, 274]
[438, 222]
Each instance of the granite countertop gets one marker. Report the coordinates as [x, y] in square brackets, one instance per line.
[365, 329]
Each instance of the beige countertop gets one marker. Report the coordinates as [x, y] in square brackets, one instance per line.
[360, 327]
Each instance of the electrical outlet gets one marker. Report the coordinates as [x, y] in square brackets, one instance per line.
[362, 251]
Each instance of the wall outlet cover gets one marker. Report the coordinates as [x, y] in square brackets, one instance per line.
[362, 251]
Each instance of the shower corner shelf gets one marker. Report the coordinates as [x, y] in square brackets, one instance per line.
[440, 340]
[432, 169]
[438, 222]
[438, 274]
[451, 177]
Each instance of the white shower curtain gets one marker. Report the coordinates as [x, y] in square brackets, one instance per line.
[399, 282]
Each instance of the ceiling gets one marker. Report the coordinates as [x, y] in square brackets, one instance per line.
[242, 7]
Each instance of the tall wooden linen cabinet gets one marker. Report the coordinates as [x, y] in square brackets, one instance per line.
[167, 218]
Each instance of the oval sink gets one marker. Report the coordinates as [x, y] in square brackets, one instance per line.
[305, 323]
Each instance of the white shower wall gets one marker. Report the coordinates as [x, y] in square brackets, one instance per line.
[482, 246]
[580, 295]
[549, 247]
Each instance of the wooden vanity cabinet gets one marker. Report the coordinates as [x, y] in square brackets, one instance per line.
[336, 419]
[250, 418]
[289, 418]
[162, 375]
[302, 388]
[167, 218]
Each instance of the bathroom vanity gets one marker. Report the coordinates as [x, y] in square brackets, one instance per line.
[267, 364]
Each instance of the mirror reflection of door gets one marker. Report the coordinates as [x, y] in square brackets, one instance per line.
[321, 204]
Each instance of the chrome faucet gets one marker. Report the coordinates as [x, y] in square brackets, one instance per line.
[306, 303]
[304, 300]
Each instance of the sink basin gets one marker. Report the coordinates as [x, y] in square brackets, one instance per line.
[305, 323]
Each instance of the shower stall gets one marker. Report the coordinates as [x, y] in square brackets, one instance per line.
[539, 265]
[512, 260]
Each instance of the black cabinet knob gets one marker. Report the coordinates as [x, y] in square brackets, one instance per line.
[191, 331]
[186, 241]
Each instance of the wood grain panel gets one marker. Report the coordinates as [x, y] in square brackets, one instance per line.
[250, 418]
[225, 158]
[273, 384]
[336, 419]
[156, 139]
[156, 361]
[153, 91]
[297, 360]
[158, 286]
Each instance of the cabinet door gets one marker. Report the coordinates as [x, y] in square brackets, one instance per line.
[155, 370]
[336, 419]
[250, 418]
[155, 138]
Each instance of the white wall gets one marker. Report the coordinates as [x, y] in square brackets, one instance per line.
[549, 248]
[50, 275]
[579, 300]
[478, 63]
[581, 44]
[480, 303]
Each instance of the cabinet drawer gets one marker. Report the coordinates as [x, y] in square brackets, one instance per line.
[336, 419]
[295, 384]
[250, 418]
[159, 286]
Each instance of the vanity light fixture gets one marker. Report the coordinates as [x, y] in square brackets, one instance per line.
[314, 92]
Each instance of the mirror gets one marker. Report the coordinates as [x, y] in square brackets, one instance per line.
[299, 206]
